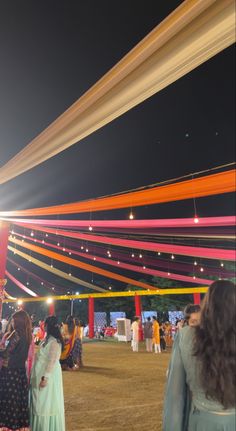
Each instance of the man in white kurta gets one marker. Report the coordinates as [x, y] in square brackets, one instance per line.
[135, 334]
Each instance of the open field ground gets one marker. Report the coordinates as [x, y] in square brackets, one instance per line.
[116, 390]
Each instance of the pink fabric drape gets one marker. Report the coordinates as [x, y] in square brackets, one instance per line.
[20, 285]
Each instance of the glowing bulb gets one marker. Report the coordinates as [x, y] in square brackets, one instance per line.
[42, 283]
[159, 253]
[53, 288]
[64, 249]
[94, 258]
[140, 256]
[90, 228]
[86, 250]
[132, 255]
[196, 219]
[70, 274]
[19, 302]
[18, 269]
[49, 301]
[32, 233]
[168, 273]
[46, 235]
[110, 288]
[43, 241]
[201, 269]
[58, 244]
[195, 263]
[222, 264]
[144, 267]
[35, 240]
[118, 262]
[77, 293]
[131, 216]
[172, 256]
[69, 252]
[194, 277]
[82, 247]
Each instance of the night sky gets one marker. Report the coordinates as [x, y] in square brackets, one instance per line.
[52, 52]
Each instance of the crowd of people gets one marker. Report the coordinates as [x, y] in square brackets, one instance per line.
[200, 390]
[32, 357]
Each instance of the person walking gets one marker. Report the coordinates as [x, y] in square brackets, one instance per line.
[201, 386]
[14, 390]
[46, 389]
[135, 334]
[147, 332]
[156, 335]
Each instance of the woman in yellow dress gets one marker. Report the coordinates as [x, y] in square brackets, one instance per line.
[156, 335]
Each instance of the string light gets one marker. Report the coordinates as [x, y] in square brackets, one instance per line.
[64, 249]
[94, 258]
[194, 277]
[69, 252]
[58, 244]
[131, 216]
[196, 219]
[110, 287]
[43, 241]
[144, 267]
[46, 235]
[87, 250]
[132, 255]
[159, 253]
[140, 256]
[168, 273]
[69, 274]
[18, 269]
[222, 264]
[195, 263]
[172, 256]
[90, 228]
[118, 262]
[32, 233]
[201, 269]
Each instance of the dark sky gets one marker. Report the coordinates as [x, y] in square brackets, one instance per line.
[52, 52]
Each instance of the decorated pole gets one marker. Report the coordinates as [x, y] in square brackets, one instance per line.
[197, 298]
[138, 313]
[4, 230]
[91, 317]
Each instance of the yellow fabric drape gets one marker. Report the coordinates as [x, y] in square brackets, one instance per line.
[196, 31]
[55, 271]
[213, 184]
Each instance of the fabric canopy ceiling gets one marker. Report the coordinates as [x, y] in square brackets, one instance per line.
[196, 31]
[214, 184]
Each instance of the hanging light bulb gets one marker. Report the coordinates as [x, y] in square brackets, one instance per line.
[110, 287]
[64, 249]
[32, 233]
[222, 264]
[58, 244]
[118, 262]
[144, 267]
[159, 253]
[196, 219]
[194, 277]
[70, 274]
[46, 235]
[132, 255]
[94, 258]
[42, 283]
[195, 263]
[90, 228]
[43, 241]
[87, 250]
[27, 283]
[69, 252]
[201, 269]
[18, 269]
[168, 273]
[51, 265]
[140, 256]
[172, 256]
[131, 216]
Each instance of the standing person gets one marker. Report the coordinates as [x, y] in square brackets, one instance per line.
[77, 350]
[156, 335]
[46, 389]
[203, 363]
[192, 314]
[14, 411]
[68, 332]
[162, 337]
[147, 332]
[135, 334]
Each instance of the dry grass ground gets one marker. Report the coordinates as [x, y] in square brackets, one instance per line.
[116, 390]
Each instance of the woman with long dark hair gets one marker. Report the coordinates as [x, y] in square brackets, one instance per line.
[203, 366]
[14, 412]
[46, 389]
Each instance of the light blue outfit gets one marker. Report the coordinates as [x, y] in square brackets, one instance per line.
[47, 404]
[186, 407]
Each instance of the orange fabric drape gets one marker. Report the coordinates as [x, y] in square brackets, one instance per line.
[82, 265]
[214, 184]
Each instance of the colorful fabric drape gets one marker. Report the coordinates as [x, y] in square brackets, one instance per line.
[55, 271]
[78, 264]
[214, 184]
[193, 33]
[146, 260]
[20, 285]
[133, 224]
[208, 253]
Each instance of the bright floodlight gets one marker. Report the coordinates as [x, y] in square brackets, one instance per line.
[49, 301]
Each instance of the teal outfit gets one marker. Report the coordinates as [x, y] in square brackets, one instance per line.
[186, 407]
[47, 404]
